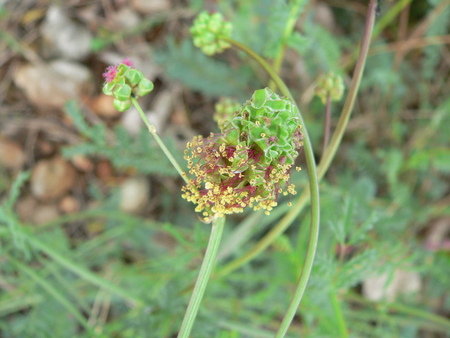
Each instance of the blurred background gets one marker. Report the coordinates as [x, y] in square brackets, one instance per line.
[94, 236]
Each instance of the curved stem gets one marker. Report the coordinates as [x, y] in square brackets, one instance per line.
[287, 31]
[314, 191]
[158, 140]
[325, 162]
[203, 277]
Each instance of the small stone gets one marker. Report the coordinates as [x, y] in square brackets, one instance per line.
[63, 37]
[51, 179]
[134, 194]
[33, 212]
[45, 148]
[11, 154]
[103, 106]
[52, 85]
[69, 205]
[45, 213]
[25, 208]
[149, 7]
[131, 121]
[105, 171]
[375, 288]
[82, 163]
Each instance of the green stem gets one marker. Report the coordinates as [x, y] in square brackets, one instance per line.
[287, 31]
[342, 327]
[325, 162]
[203, 277]
[327, 124]
[314, 191]
[158, 140]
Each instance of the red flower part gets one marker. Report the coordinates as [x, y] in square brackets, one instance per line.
[110, 73]
[127, 62]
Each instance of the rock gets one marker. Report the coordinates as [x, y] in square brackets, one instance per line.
[134, 194]
[51, 179]
[45, 213]
[125, 18]
[25, 208]
[11, 154]
[45, 148]
[161, 109]
[149, 7]
[32, 211]
[63, 37]
[105, 171]
[82, 163]
[52, 85]
[69, 205]
[103, 106]
[131, 121]
[403, 282]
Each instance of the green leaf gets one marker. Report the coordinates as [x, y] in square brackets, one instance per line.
[185, 63]
[298, 42]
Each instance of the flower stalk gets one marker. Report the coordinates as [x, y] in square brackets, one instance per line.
[326, 160]
[126, 84]
[203, 277]
[313, 189]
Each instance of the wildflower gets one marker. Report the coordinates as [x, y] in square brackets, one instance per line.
[330, 84]
[124, 82]
[248, 164]
[111, 71]
[209, 31]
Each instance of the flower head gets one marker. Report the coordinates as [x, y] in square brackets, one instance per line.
[330, 85]
[208, 32]
[249, 162]
[124, 82]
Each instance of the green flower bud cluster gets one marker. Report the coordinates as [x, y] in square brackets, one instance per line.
[208, 31]
[225, 108]
[269, 121]
[249, 163]
[124, 82]
[330, 84]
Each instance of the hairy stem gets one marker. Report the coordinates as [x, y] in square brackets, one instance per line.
[203, 277]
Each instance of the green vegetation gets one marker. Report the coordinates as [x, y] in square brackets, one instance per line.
[383, 178]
